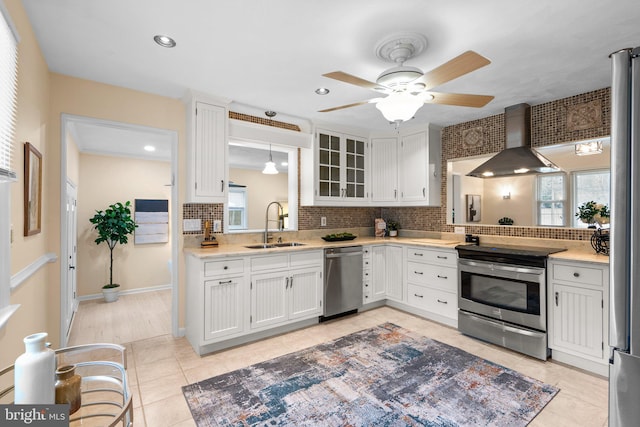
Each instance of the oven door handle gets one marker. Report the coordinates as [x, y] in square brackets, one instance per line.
[500, 267]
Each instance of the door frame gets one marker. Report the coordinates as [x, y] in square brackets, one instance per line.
[66, 121]
[67, 317]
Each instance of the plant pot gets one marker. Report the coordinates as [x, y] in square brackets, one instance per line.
[393, 233]
[111, 294]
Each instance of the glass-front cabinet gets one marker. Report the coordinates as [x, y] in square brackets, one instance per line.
[340, 170]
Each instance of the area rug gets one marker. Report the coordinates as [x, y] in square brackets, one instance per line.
[383, 376]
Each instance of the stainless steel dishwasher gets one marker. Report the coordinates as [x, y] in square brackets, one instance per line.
[342, 280]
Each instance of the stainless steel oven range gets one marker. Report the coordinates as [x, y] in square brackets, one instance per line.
[502, 296]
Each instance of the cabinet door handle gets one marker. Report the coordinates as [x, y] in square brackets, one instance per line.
[291, 282]
[417, 254]
[222, 185]
[395, 194]
[557, 296]
[286, 286]
[442, 277]
[576, 274]
[226, 282]
[424, 192]
[442, 302]
[442, 257]
[419, 296]
[418, 272]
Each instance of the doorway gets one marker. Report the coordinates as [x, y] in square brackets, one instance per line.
[88, 138]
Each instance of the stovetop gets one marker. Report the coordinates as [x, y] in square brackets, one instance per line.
[535, 251]
[533, 256]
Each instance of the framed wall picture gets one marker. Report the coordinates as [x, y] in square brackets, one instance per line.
[32, 190]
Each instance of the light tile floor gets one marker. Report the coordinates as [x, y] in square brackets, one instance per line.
[159, 366]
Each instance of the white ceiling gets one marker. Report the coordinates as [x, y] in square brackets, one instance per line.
[271, 54]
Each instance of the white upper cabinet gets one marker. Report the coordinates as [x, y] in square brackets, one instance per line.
[384, 169]
[406, 170]
[414, 174]
[207, 151]
[334, 172]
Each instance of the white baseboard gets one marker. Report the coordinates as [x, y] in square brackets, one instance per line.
[128, 292]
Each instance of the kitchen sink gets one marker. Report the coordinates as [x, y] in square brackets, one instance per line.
[274, 245]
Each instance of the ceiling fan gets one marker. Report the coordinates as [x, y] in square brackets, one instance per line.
[408, 88]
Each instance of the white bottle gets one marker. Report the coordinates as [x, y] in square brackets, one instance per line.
[35, 372]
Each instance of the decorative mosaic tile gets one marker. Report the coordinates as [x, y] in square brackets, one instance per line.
[262, 121]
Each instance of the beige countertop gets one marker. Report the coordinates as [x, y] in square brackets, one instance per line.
[223, 250]
[580, 255]
[234, 249]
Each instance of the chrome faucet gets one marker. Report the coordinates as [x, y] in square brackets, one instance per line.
[266, 220]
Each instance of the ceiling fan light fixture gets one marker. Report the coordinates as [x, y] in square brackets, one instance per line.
[399, 106]
[400, 75]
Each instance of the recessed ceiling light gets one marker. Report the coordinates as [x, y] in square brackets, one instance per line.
[164, 41]
[322, 91]
[149, 148]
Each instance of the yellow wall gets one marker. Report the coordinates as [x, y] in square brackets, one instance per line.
[73, 161]
[36, 313]
[105, 180]
[91, 99]
[42, 98]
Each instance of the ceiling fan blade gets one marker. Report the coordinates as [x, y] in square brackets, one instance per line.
[458, 66]
[355, 104]
[348, 78]
[459, 99]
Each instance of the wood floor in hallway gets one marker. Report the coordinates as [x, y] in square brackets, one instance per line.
[133, 317]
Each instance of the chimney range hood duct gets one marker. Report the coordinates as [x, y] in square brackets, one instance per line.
[518, 158]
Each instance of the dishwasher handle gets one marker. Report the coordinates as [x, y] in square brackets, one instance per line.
[340, 255]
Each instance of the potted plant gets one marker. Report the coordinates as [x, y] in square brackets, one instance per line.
[505, 221]
[592, 212]
[392, 227]
[113, 226]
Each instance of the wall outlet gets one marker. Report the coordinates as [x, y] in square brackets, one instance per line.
[459, 230]
[217, 226]
[191, 224]
[323, 221]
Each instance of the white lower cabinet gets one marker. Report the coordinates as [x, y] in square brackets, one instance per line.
[284, 296]
[393, 273]
[217, 306]
[229, 299]
[432, 283]
[223, 307]
[578, 314]
[386, 274]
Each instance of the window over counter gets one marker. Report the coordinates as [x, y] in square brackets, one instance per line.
[551, 200]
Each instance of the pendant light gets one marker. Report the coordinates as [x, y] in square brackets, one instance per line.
[270, 166]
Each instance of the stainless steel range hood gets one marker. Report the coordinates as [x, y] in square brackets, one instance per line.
[518, 158]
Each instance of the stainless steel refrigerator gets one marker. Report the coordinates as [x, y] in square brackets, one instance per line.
[624, 259]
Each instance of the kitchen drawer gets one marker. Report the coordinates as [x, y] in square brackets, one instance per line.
[579, 274]
[224, 267]
[270, 262]
[443, 278]
[306, 258]
[433, 301]
[432, 256]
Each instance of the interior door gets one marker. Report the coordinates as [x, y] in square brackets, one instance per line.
[71, 297]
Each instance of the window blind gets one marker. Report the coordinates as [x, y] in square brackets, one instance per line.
[8, 94]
